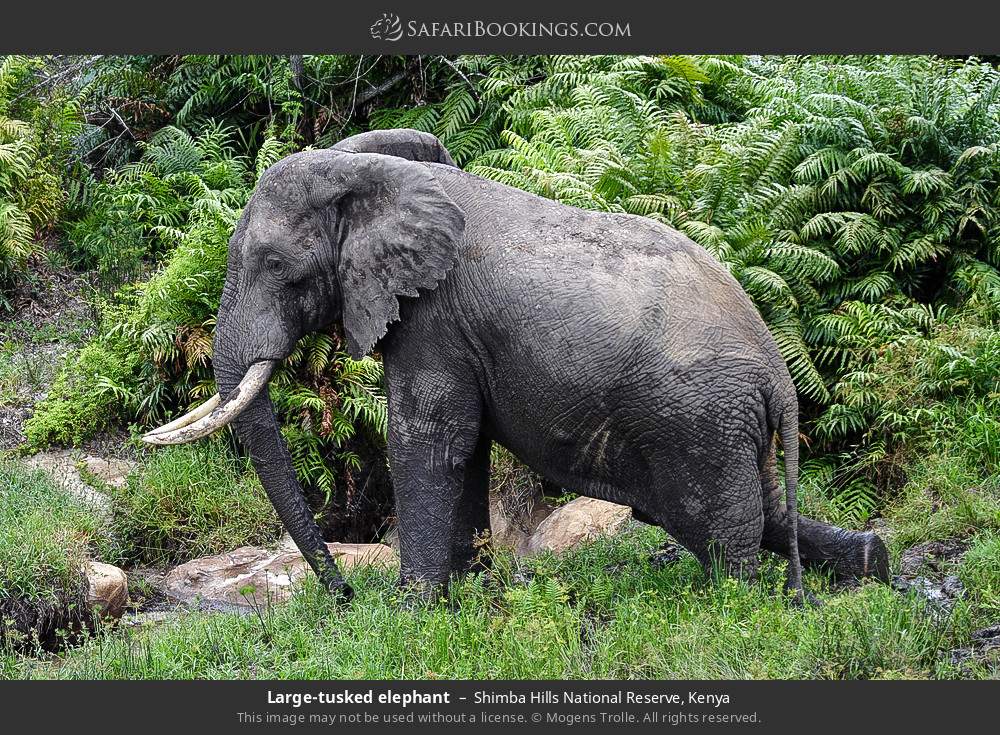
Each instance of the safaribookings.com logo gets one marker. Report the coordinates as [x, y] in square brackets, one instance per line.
[387, 28]
[390, 28]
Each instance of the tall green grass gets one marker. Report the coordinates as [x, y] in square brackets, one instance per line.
[191, 500]
[46, 536]
[599, 611]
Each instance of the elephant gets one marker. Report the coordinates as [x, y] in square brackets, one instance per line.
[608, 352]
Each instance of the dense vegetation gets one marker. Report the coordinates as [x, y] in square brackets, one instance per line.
[190, 502]
[856, 199]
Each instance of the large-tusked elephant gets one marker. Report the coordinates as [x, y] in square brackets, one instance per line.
[610, 353]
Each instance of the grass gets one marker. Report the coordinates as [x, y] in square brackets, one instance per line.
[189, 501]
[46, 535]
[21, 374]
[980, 573]
[946, 496]
[599, 611]
[13, 374]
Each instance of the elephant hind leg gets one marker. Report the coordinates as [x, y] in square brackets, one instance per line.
[848, 554]
[718, 517]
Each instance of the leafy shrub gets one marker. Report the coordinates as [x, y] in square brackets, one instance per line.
[191, 500]
[45, 538]
[79, 403]
[143, 208]
[921, 403]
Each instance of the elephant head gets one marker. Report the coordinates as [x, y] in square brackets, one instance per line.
[328, 235]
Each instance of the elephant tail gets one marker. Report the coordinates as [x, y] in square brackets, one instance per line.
[788, 429]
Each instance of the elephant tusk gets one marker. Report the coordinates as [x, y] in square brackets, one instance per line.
[235, 403]
[190, 417]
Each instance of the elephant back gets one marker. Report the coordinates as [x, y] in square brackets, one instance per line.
[407, 143]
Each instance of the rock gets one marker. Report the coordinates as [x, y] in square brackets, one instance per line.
[991, 634]
[252, 576]
[522, 577]
[663, 557]
[579, 520]
[62, 466]
[940, 596]
[923, 569]
[514, 533]
[108, 589]
[391, 539]
[985, 645]
[148, 619]
[109, 470]
[668, 554]
[934, 555]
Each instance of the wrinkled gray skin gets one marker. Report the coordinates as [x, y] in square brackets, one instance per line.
[609, 353]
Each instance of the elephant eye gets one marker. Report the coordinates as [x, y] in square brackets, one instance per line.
[273, 263]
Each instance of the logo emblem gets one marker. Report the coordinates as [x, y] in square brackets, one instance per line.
[387, 28]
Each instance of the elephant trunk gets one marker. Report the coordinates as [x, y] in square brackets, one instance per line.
[258, 431]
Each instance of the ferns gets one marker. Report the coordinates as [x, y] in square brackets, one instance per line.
[854, 199]
[914, 393]
[30, 193]
[327, 396]
[144, 208]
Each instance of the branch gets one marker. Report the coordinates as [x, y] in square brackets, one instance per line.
[119, 118]
[85, 64]
[449, 62]
[368, 96]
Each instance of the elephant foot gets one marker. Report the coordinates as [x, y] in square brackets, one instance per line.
[802, 598]
[340, 590]
[849, 555]
[861, 554]
[419, 594]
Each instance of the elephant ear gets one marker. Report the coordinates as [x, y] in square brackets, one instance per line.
[399, 232]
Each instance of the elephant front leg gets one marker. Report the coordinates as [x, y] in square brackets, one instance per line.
[432, 447]
[435, 420]
[426, 506]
